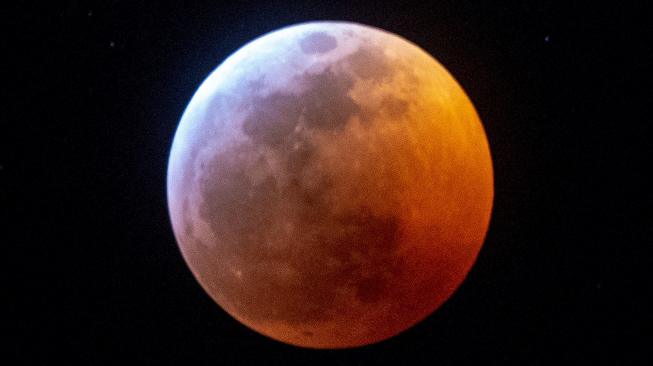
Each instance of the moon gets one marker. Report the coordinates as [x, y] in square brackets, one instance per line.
[330, 185]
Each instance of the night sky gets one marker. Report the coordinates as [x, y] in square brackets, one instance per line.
[94, 92]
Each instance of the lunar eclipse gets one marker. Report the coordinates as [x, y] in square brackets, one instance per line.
[330, 185]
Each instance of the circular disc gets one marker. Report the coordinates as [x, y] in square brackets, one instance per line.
[330, 185]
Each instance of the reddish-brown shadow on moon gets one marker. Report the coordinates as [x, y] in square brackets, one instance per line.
[330, 185]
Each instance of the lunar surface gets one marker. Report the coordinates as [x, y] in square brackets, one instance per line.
[330, 185]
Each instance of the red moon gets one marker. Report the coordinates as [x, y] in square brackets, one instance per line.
[330, 185]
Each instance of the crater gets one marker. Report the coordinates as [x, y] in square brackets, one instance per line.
[318, 42]
[274, 118]
[395, 107]
[370, 63]
[327, 101]
[325, 105]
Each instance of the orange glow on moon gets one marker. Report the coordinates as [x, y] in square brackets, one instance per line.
[330, 185]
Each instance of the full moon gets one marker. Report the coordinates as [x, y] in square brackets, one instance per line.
[330, 185]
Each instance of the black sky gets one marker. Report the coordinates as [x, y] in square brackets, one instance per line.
[93, 95]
